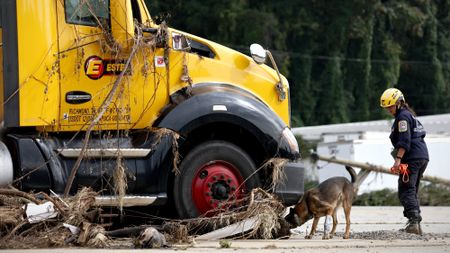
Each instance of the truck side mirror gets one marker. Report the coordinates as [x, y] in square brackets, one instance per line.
[122, 26]
[258, 53]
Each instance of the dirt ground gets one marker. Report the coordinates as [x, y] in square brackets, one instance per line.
[373, 229]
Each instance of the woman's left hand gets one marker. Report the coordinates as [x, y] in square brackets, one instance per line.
[395, 167]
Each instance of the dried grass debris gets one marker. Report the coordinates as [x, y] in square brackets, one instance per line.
[10, 217]
[120, 181]
[93, 235]
[21, 194]
[260, 204]
[176, 232]
[79, 206]
[163, 132]
[276, 165]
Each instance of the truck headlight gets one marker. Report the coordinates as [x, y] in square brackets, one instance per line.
[290, 139]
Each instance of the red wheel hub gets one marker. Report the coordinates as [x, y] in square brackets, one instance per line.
[215, 183]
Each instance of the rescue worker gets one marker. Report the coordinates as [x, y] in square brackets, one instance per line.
[407, 137]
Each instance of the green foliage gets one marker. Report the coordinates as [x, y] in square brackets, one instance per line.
[432, 195]
[339, 56]
[306, 147]
[224, 244]
[385, 197]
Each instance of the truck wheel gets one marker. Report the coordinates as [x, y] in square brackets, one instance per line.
[213, 172]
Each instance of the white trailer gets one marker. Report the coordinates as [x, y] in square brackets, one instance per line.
[375, 148]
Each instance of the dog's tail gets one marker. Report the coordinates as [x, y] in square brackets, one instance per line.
[352, 173]
[356, 179]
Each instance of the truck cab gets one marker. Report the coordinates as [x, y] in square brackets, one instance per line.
[93, 88]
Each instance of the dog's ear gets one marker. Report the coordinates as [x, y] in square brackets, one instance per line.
[292, 218]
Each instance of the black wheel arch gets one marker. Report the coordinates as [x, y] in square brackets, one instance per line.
[224, 111]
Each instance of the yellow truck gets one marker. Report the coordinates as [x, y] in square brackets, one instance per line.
[93, 86]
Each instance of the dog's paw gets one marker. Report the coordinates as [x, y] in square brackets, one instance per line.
[308, 237]
[346, 236]
[326, 237]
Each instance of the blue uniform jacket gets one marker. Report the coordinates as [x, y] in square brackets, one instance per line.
[408, 133]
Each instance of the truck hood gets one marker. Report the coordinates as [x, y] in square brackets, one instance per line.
[232, 57]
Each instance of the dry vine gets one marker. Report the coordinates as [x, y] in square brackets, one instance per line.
[95, 121]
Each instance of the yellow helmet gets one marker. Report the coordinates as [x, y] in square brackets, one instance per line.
[390, 97]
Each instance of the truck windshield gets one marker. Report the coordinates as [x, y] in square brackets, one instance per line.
[87, 12]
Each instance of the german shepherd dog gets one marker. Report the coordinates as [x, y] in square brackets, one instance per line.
[325, 200]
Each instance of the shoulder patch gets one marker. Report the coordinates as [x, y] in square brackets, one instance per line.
[402, 126]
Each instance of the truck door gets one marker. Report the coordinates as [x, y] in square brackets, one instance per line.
[96, 39]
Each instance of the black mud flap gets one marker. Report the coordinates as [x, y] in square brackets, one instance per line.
[292, 187]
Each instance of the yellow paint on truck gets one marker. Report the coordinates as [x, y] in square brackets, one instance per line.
[67, 69]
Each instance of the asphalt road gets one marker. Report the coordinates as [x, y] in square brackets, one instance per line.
[373, 229]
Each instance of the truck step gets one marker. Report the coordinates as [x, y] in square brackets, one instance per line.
[128, 200]
[105, 152]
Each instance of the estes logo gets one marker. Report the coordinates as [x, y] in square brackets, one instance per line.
[96, 67]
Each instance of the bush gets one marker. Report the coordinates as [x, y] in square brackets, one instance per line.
[432, 195]
[429, 195]
[385, 197]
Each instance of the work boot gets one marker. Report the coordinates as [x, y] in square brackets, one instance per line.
[413, 227]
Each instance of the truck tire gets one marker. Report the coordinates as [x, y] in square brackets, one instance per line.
[211, 173]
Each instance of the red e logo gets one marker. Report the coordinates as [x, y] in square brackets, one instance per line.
[93, 67]
[159, 61]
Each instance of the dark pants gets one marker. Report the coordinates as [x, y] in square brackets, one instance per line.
[408, 191]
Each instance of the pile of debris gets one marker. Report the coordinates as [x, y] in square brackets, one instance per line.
[37, 220]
